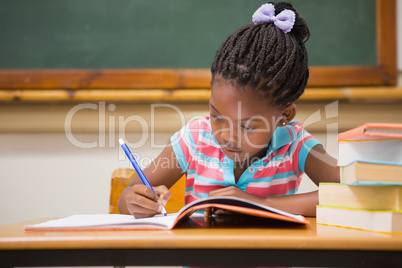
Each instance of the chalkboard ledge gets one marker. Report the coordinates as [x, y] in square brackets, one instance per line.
[372, 94]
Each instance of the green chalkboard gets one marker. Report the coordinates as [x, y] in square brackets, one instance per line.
[133, 34]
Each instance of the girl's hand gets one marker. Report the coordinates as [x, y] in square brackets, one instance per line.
[142, 202]
[228, 191]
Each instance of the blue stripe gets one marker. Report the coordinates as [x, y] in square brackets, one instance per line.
[207, 158]
[211, 181]
[305, 150]
[206, 135]
[191, 171]
[277, 176]
[189, 189]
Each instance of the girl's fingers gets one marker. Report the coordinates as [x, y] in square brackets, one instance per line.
[143, 190]
[163, 193]
[143, 198]
[140, 212]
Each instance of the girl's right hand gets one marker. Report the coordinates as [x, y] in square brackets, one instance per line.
[142, 202]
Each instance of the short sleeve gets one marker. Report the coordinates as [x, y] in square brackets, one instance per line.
[184, 145]
[305, 142]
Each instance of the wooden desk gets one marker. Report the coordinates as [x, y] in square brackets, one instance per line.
[276, 245]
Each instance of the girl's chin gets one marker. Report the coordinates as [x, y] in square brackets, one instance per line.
[240, 156]
[236, 156]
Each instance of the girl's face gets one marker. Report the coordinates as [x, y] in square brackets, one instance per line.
[242, 122]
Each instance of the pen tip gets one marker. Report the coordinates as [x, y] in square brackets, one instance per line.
[121, 141]
[164, 211]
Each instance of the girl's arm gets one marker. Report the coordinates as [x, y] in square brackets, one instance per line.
[319, 166]
[138, 199]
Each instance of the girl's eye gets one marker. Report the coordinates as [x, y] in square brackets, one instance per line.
[215, 117]
[247, 128]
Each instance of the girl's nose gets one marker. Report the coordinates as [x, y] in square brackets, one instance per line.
[229, 135]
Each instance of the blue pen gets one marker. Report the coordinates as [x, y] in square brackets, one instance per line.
[138, 169]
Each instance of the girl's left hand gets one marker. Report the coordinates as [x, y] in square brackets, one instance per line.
[228, 191]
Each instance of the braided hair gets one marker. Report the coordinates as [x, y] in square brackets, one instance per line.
[264, 58]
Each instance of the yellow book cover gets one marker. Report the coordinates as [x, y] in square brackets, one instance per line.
[376, 197]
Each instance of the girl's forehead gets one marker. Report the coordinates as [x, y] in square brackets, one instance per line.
[230, 99]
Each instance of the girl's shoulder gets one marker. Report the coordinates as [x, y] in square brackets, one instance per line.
[289, 135]
[200, 124]
[195, 129]
[296, 127]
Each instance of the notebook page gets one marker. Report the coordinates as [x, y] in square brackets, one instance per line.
[105, 220]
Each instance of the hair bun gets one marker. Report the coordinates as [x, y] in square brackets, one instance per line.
[300, 28]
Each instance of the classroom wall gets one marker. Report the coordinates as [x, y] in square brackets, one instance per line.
[46, 172]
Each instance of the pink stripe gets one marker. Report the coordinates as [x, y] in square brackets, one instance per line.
[184, 147]
[279, 189]
[290, 134]
[189, 182]
[299, 178]
[207, 188]
[266, 172]
[209, 150]
[195, 128]
[189, 199]
[269, 158]
[210, 173]
[283, 150]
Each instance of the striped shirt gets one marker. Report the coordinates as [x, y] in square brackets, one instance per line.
[279, 172]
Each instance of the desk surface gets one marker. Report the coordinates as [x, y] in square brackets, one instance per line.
[274, 239]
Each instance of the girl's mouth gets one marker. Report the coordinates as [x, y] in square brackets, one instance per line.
[231, 150]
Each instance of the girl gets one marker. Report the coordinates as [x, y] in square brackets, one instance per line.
[248, 147]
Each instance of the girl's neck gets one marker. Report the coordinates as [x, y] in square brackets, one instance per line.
[240, 167]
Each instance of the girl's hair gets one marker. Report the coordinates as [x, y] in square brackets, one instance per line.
[266, 59]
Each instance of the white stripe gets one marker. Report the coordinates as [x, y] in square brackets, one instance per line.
[296, 144]
[186, 141]
[201, 183]
[207, 164]
[272, 163]
[191, 193]
[209, 142]
[190, 176]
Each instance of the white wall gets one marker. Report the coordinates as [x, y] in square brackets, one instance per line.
[45, 175]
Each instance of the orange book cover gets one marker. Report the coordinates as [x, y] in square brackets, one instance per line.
[372, 131]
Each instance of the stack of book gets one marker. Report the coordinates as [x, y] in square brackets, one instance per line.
[369, 196]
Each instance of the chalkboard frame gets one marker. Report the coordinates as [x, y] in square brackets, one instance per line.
[384, 73]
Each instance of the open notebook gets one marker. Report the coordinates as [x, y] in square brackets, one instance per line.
[126, 222]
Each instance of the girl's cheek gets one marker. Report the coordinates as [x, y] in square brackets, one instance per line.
[256, 139]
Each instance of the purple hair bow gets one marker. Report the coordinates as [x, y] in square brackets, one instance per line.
[284, 20]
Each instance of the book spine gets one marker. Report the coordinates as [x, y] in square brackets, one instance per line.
[351, 134]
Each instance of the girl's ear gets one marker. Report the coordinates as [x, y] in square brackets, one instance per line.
[288, 113]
